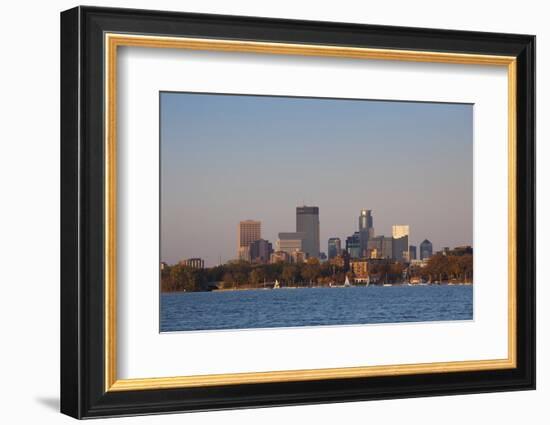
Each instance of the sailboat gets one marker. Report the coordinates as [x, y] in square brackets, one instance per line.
[346, 283]
[277, 285]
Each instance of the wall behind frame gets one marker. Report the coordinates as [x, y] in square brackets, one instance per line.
[29, 217]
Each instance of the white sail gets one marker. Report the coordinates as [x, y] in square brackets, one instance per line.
[346, 283]
[277, 285]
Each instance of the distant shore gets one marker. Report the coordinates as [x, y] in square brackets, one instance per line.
[305, 286]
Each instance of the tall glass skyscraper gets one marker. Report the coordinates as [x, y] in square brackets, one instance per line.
[426, 249]
[307, 221]
[365, 220]
[334, 247]
[366, 230]
[353, 245]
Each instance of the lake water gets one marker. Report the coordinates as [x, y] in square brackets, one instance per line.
[187, 311]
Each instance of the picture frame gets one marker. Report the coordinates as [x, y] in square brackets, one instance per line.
[90, 40]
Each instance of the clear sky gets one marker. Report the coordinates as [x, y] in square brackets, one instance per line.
[227, 158]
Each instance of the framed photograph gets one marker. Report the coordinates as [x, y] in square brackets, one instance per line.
[261, 212]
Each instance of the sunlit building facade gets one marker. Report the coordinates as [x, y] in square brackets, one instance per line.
[248, 232]
[400, 235]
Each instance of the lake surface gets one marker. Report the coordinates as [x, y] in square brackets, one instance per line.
[187, 311]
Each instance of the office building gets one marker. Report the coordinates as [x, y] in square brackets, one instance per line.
[334, 247]
[365, 221]
[249, 231]
[360, 268]
[353, 245]
[426, 249]
[243, 253]
[400, 235]
[307, 222]
[290, 242]
[412, 252]
[260, 251]
[380, 247]
[366, 229]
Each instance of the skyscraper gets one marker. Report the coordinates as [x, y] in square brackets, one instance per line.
[400, 234]
[366, 229]
[426, 249]
[380, 247]
[249, 231]
[412, 252]
[353, 245]
[291, 242]
[334, 247]
[365, 221]
[260, 251]
[307, 221]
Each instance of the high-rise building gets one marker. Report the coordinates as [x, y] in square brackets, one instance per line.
[380, 247]
[353, 245]
[366, 229]
[366, 222]
[412, 252]
[426, 249]
[334, 247]
[249, 231]
[307, 221]
[400, 234]
[260, 251]
[290, 242]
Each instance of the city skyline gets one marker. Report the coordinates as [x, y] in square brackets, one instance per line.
[215, 176]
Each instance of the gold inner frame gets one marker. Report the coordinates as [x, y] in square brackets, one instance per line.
[113, 41]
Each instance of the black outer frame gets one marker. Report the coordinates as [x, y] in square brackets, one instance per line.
[82, 219]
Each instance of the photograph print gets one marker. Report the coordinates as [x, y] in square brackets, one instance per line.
[281, 212]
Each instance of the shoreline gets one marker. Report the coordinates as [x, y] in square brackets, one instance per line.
[327, 287]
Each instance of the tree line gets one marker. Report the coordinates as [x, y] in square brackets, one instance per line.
[242, 274]
[442, 268]
[245, 275]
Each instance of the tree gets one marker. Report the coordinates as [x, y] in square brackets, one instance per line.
[466, 267]
[396, 272]
[311, 271]
[177, 278]
[257, 276]
[194, 279]
[290, 273]
[228, 280]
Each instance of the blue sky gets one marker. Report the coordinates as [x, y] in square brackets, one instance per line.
[227, 158]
